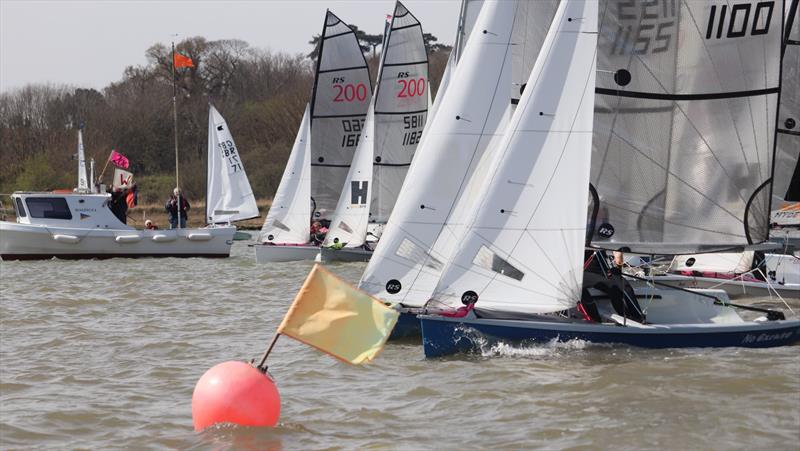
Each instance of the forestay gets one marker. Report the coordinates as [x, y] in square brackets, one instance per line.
[471, 115]
[289, 216]
[340, 100]
[401, 109]
[684, 126]
[229, 197]
[523, 251]
[786, 185]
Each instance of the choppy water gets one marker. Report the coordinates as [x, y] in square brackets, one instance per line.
[105, 355]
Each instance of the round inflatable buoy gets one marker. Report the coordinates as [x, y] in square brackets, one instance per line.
[235, 392]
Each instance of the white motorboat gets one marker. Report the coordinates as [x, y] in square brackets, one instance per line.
[81, 225]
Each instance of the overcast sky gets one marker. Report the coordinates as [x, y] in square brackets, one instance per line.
[89, 43]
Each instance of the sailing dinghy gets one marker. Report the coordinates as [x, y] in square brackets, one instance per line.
[452, 161]
[520, 270]
[392, 130]
[323, 149]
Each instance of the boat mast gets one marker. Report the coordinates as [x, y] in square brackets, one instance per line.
[175, 128]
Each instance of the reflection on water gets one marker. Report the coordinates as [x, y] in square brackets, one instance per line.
[105, 354]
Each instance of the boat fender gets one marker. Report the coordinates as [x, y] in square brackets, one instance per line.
[200, 236]
[128, 238]
[164, 238]
[71, 239]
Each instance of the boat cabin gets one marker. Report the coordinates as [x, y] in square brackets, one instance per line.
[79, 210]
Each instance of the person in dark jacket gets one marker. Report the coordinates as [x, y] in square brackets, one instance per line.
[119, 204]
[172, 208]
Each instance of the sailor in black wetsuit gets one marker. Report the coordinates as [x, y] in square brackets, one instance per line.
[610, 282]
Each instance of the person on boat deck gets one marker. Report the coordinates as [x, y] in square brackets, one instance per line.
[172, 208]
[118, 204]
[149, 225]
[610, 282]
[318, 232]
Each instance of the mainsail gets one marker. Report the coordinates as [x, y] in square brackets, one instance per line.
[83, 181]
[524, 246]
[229, 197]
[288, 220]
[446, 174]
[686, 104]
[786, 186]
[401, 109]
[339, 104]
[392, 130]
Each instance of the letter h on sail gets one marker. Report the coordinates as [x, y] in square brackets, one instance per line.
[358, 192]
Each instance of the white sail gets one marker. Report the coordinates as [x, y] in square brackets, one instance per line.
[288, 220]
[83, 181]
[339, 104]
[349, 225]
[445, 178]
[401, 109]
[228, 194]
[524, 248]
[469, 113]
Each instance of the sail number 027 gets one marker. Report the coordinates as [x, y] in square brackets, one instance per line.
[352, 131]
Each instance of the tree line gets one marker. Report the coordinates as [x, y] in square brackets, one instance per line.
[261, 94]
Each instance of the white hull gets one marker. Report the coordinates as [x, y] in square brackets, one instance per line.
[34, 241]
[273, 253]
[345, 255]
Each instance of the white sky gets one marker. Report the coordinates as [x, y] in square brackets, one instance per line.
[89, 43]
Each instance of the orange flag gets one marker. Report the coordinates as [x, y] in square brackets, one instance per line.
[181, 61]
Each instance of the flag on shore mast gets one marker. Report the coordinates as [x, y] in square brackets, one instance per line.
[179, 61]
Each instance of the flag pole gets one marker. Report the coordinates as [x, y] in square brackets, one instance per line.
[100, 177]
[262, 364]
[175, 127]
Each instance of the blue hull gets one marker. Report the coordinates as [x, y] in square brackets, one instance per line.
[444, 336]
[407, 327]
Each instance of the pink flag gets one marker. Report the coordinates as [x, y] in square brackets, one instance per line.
[119, 159]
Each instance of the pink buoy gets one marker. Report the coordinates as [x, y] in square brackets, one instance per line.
[235, 392]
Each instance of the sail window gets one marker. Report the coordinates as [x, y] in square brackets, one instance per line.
[487, 259]
[48, 207]
[20, 208]
[411, 251]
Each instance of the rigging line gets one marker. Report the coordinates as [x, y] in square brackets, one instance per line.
[465, 177]
[730, 113]
[680, 179]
